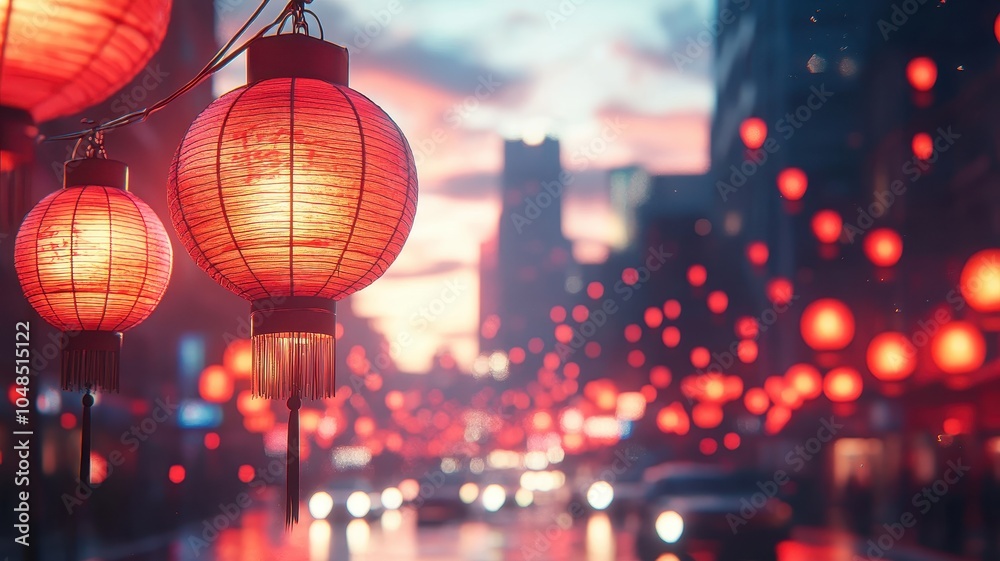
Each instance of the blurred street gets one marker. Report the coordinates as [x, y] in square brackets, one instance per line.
[509, 535]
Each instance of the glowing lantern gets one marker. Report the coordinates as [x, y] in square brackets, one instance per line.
[776, 419]
[780, 291]
[827, 225]
[557, 314]
[731, 441]
[632, 333]
[248, 406]
[660, 376]
[653, 317]
[747, 327]
[883, 247]
[708, 446]
[891, 357]
[757, 253]
[805, 379]
[215, 385]
[842, 384]
[707, 415]
[293, 192]
[996, 28]
[673, 419]
[93, 260]
[671, 337]
[756, 401]
[238, 358]
[697, 275]
[746, 351]
[631, 406]
[792, 183]
[827, 325]
[980, 280]
[700, 357]
[753, 132]
[958, 348]
[717, 301]
[61, 57]
[923, 146]
[922, 73]
[672, 309]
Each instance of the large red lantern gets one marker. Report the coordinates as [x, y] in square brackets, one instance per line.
[61, 57]
[980, 281]
[94, 261]
[827, 325]
[293, 192]
[958, 348]
[891, 357]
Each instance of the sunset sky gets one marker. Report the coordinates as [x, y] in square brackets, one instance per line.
[534, 64]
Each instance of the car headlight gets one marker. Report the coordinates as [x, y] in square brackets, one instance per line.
[669, 526]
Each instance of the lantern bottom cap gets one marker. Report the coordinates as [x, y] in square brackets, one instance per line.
[90, 360]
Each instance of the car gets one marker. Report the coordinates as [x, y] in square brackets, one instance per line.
[444, 504]
[689, 509]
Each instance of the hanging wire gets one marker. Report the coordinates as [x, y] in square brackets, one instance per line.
[294, 8]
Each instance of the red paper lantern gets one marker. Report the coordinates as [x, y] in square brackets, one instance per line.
[827, 325]
[717, 301]
[980, 281]
[883, 247]
[922, 73]
[843, 384]
[805, 379]
[696, 275]
[757, 253]
[61, 57]
[293, 192]
[94, 261]
[780, 291]
[753, 132]
[756, 401]
[826, 225]
[792, 183]
[891, 357]
[958, 348]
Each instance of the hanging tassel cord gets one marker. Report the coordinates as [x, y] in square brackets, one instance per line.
[292, 464]
[88, 401]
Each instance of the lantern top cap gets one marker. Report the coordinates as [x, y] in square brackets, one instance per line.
[296, 55]
[101, 172]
